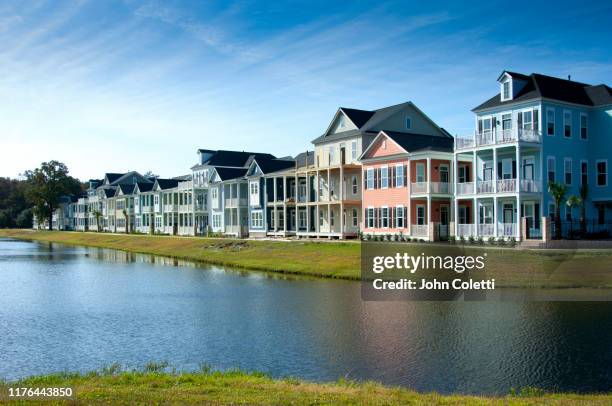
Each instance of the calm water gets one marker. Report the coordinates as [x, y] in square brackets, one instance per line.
[67, 308]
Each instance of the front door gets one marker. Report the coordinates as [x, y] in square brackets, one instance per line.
[444, 218]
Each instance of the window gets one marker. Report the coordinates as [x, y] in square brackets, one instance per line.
[486, 214]
[213, 194]
[302, 219]
[321, 218]
[399, 175]
[527, 120]
[384, 217]
[420, 172]
[384, 177]
[332, 217]
[583, 126]
[257, 219]
[584, 172]
[355, 217]
[567, 124]
[254, 193]
[216, 220]
[156, 199]
[602, 173]
[399, 217]
[354, 150]
[550, 164]
[354, 185]
[550, 121]
[506, 90]
[567, 168]
[331, 155]
[369, 217]
[462, 174]
[408, 123]
[370, 178]
[420, 214]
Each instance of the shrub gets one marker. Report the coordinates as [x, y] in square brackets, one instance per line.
[492, 240]
[451, 239]
[480, 240]
[501, 241]
[512, 241]
[462, 239]
[471, 239]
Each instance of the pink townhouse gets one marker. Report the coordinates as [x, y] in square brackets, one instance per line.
[408, 184]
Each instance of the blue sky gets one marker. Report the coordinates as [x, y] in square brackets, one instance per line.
[114, 86]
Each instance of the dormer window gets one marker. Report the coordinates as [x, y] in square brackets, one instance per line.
[506, 90]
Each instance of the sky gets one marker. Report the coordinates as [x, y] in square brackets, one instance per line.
[111, 86]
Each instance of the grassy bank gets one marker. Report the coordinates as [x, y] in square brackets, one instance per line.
[236, 387]
[510, 267]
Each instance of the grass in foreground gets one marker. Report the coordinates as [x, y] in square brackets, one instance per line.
[510, 267]
[154, 386]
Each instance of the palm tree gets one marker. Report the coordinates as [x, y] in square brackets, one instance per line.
[573, 201]
[584, 192]
[127, 221]
[98, 215]
[558, 192]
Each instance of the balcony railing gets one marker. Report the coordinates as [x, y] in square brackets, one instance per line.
[531, 186]
[484, 186]
[419, 187]
[506, 229]
[419, 230]
[465, 229]
[465, 188]
[499, 136]
[434, 187]
[506, 186]
[486, 229]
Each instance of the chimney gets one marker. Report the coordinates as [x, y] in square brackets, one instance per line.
[569, 77]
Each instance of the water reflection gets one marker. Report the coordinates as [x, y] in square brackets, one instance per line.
[73, 308]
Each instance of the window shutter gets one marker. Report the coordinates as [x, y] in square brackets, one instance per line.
[365, 179]
[536, 120]
[405, 217]
[499, 171]
[513, 169]
[391, 217]
[467, 173]
[479, 126]
[393, 176]
[519, 120]
[406, 175]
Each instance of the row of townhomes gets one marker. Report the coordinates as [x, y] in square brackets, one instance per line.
[387, 171]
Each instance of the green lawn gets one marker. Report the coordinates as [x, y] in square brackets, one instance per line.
[235, 387]
[333, 259]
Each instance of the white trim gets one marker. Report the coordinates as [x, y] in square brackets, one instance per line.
[386, 169]
[400, 165]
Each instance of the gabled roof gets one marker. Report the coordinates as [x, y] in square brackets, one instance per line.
[144, 186]
[304, 159]
[231, 173]
[109, 192]
[126, 189]
[268, 166]
[236, 159]
[549, 87]
[164, 184]
[112, 176]
[365, 120]
[513, 75]
[412, 143]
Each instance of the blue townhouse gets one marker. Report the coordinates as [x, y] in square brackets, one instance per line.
[272, 192]
[537, 129]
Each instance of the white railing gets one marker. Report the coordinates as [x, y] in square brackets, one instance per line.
[506, 185]
[419, 230]
[464, 142]
[170, 207]
[506, 229]
[419, 187]
[531, 186]
[465, 188]
[200, 207]
[466, 229]
[486, 229]
[498, 136]
[484, 186]
[183, 208]
[440, 187]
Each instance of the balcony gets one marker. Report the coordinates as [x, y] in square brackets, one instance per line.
[498, 137]
[465, 229]
[434, 187]
[235, 202]
[465, 188]
[419, 230]
[484, 186]
[170, 207]
[506, 186]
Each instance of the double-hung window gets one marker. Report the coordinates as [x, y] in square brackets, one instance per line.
[567, 169]
[583, 126]
[550, 164]
[384, 217]
[602, 173]
[584, 173]
[550, 121]
[354, 185]
[420, 172]
[384, 177]
[370, 178]
[567, 124]
[370, 217]
[399, 175]
[399, 217]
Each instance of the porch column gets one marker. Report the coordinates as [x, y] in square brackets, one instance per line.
[518, 190]
[456, 209]
[329, 217]
[495, 174]
[428, 175]
[409, 188]
[341, 191]
[495, 216]
[429, 236]
[475, 210]
[328, 186]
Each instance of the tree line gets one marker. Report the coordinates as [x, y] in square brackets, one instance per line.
[37, 192]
